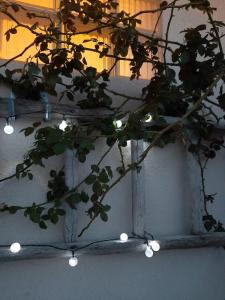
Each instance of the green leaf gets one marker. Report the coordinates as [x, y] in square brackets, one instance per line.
[81, 157]
[30, 176]
[84, 197]
[97, 188]
[28, 131]
[13, 209]
[36, 124]
[106, 207]
[73, 200]
[54, 218]
[43, 225]
[95, 168]
[53, 173]
[60, 211]
[43, 57]
[104, 216]
[90, 179]
[103, 177]
[15, 7]
[70, 96]
[45, 217]
[59, 148]
[91, 72]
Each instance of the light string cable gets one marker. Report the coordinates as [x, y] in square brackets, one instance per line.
[151, 246]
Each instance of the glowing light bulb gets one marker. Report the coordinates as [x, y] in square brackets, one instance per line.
[73, 261]
[15, 247]
[154, 245]
[119, 124]
[63, 125]
[124, 237]
[148, 118]
[148, 252]
[8, 129]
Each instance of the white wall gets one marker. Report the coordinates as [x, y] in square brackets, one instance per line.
[170, 275]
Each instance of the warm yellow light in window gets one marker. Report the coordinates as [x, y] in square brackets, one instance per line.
[124, 68]
[17, 41]
[148, 23]
[92, 58]
[149, 20]
[43, 3]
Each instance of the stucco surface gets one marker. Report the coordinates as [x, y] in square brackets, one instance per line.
[169, 275]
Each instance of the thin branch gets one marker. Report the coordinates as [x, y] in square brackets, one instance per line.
[155, 141]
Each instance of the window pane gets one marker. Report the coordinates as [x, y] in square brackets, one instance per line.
[18, 41]
[92, 58]
[43, 3]
[148, 23]
[124, 69]
[134, 6]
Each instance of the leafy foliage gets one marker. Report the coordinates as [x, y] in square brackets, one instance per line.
[185, 75]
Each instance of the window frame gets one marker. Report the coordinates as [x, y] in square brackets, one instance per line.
[107, 61]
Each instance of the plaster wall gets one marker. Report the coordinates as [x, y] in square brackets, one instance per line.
[169, 275]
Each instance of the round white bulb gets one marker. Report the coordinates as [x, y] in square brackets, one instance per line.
[124, 237]
[8, 129]
[148, 118]
[154, 245]
[73, 261]
[15, 248]
[148, 252]
[63, 125]
[119, 123]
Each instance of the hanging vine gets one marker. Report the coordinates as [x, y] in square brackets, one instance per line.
[186, 76]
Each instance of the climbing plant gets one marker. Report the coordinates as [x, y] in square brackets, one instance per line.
[187, 74]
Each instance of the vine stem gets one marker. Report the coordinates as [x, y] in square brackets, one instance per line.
[154, 142]
[14, 175]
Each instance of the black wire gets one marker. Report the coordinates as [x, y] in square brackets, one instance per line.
[74, 248]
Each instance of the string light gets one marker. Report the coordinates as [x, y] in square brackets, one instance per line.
[151, 246]
[73, 261]
[63, 125]
[8, 129]
[15, 247]
[118, 123]
[148, 118]
[154, 245]
[148, 252]
[123, 237]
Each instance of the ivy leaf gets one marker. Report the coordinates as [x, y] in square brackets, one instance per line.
[106, 207]
[43, 57]
[60, 211]
[15, 7]
[28, 131]
[30, 176]
[84, 197]
[95, 168]
[36, 124]
[70, 96]
[90, 179]
[103, 177]
[73, 200]
[97, 188]
[54, 218]
[13, 209]
[59, 148]
[104, 216]
[43, 225]
[91, 72]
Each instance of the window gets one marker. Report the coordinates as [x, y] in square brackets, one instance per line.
[23, 38]
[147, 26]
